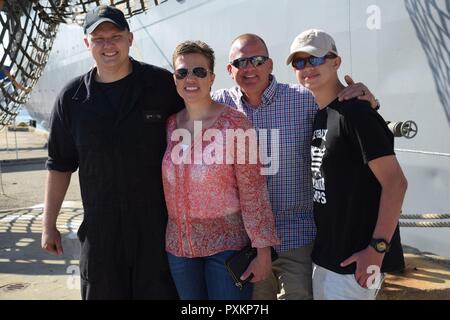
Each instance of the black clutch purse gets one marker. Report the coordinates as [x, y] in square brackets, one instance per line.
[239, 262]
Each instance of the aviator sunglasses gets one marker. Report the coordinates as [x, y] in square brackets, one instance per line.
[300, 64]
[199, 72]
[243, 62]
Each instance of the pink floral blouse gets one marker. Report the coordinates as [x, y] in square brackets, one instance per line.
[215, 207]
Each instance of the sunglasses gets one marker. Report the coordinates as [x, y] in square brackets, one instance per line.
[300, 64]
[199, 72]
[243, 62]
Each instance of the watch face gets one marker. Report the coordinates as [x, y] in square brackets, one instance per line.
[381, 246]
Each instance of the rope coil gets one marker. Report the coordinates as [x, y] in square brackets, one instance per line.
[426, 216]
[421, 224]
[425, 224]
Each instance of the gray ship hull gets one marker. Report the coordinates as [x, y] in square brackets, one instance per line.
[399, 49]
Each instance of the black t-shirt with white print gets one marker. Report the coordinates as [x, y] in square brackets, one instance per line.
[346, 136]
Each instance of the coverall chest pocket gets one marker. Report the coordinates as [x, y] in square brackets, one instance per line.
[153, 143]
[153, 116]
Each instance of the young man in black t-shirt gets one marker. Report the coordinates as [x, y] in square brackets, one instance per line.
[358, 184]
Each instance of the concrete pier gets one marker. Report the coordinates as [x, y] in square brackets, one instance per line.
[27, 272]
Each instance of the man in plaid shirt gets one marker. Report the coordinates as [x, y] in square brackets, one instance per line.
[290, 109]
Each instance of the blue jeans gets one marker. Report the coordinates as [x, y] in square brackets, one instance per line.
[206, 278]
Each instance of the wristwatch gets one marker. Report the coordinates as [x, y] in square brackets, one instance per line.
[380, 245]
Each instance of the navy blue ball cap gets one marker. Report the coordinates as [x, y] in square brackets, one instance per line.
[102, 14]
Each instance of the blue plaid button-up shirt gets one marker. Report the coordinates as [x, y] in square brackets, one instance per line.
[291, 110]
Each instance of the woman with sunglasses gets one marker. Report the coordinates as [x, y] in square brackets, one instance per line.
[215, 208]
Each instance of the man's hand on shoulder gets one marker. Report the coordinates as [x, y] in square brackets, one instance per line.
[357, 90]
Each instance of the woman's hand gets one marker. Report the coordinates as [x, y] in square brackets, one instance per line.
[260, 267]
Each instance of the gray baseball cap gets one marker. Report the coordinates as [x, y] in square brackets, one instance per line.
[313, 41]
